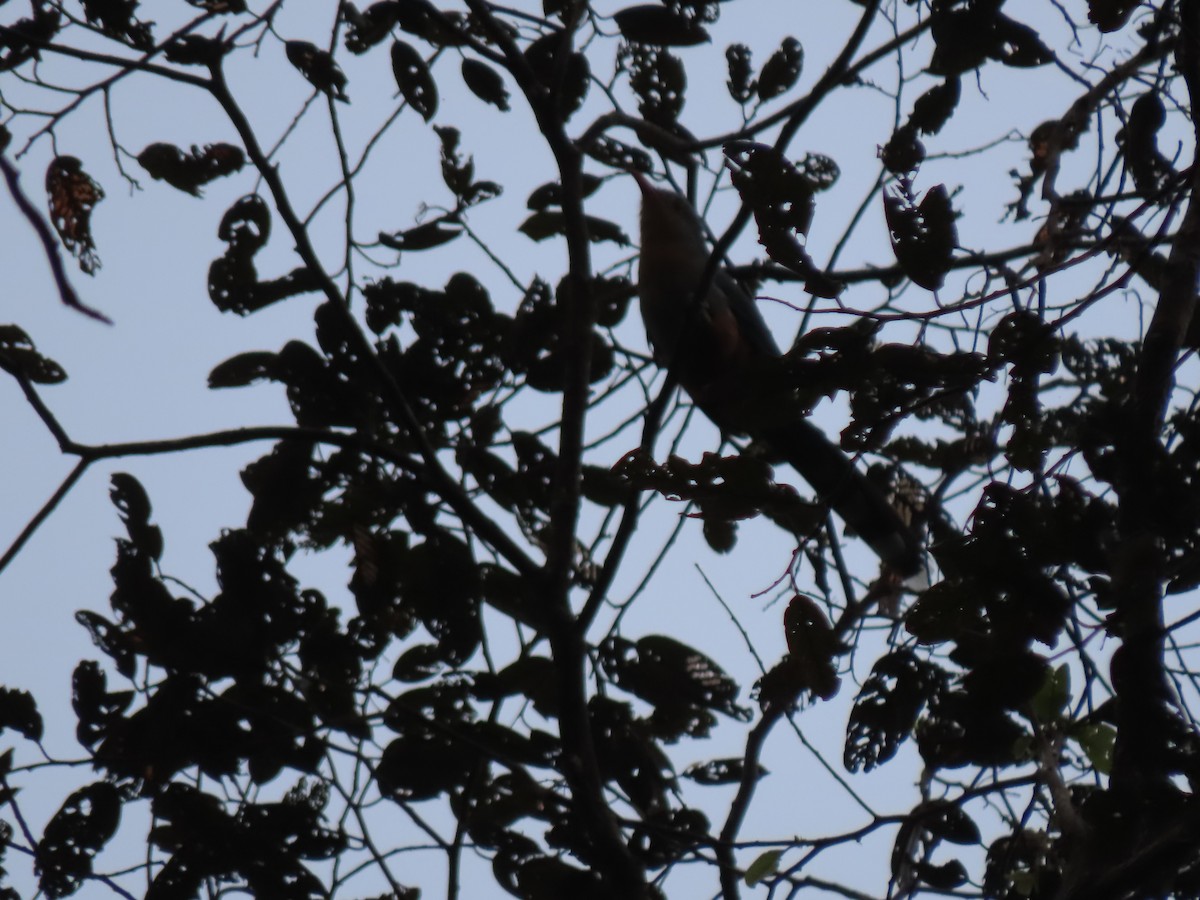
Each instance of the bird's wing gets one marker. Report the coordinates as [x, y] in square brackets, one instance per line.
[751, 325]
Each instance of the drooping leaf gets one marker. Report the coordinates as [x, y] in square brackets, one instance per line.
[886, 709]
[742, 84]
[73, 194]
[659, 80]
[485, 83]
[923, 235]
[1110, 15]
[812, 645]
[414, 79]
[569, 81]
[371, 26]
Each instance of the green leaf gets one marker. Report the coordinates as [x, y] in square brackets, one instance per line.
[1054, 694]
[1097, 742]
[19, 356]
[766, 865]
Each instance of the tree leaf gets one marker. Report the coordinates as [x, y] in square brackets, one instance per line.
[763, 867]
[485, 83]
[659, 26]
[781, 70]
[414, 79]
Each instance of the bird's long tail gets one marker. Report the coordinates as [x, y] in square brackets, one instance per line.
[848, 492]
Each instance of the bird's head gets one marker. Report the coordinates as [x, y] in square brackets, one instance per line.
[667, 218]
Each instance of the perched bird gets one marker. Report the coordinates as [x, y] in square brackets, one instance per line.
[719, 348]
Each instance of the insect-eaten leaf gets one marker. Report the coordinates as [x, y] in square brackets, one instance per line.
[781, 196]
[781, 70]
[18, 356]
[619, 155]
[422, 237]
[813, 646]
[414, 79]
[741, 84]
[19, 712]
[569, 79]
[371, 26]
[485, 83]
[659, 80]
[73, 194]
[660, 26]
[319, 67]
[1110, 15]
[188, 171]
[923, 235]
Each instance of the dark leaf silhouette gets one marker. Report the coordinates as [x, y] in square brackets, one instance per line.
[552, 223]
[659, 80]
[567, 81]
[812, 647]
[659, 26]
[319, 67]
[742, 84]
[781, 70]
[1110, 15]
[188, 171]
[371, 26]
[73, 194]
[196, 50]
[923, 234]
[934, 107]
[414, 79]
[887, 707]
[1139, 138]
[19, 712]
[21, 40]
[485, 83]
[422, 237]
[81, 827]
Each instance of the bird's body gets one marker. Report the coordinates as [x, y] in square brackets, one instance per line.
[711, 336]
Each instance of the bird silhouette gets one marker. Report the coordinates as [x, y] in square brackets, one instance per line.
[710, 335]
